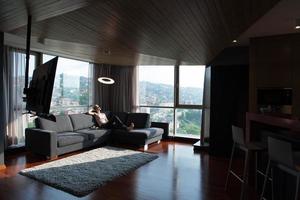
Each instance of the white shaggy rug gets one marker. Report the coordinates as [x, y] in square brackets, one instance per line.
[83, 173]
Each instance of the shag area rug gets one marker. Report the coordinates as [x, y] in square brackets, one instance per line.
[83, 173]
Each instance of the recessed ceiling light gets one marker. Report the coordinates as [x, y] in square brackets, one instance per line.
[234, 41]
[297, 27]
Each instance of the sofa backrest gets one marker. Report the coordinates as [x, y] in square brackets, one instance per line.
[140, 120]
[61, 123]
[73, 122]
[82, 121]
[122, 116]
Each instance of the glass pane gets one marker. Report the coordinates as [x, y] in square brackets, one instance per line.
[188, 122]
[156, 85]
[68, 110]
[191, 79]
[28, 119]
[32, 64]
[160, 115]
[71, 86]
[46, 58]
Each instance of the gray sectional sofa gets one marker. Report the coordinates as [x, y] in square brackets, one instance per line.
[67, 133]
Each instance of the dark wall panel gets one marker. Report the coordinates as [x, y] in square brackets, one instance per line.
[229, 104]
[2, 125]
[274, 63]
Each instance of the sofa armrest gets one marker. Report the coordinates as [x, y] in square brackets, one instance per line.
[163, 125]
[40, 141]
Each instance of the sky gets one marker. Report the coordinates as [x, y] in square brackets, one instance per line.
[190, 75]
[69, 67]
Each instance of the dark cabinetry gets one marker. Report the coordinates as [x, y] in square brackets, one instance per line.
[229, 104]
[275, 63]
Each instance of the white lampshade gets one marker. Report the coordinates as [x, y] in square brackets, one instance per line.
[106, 80]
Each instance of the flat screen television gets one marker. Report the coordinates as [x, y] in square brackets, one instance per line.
[39, 93]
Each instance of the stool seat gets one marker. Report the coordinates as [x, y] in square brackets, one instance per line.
[282, 156]
[254, 146]
[248, 148]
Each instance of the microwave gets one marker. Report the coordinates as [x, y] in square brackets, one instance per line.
[274, 96]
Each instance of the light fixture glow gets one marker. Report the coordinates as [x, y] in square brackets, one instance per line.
[106, 80]
[234, 41]
[297, 24]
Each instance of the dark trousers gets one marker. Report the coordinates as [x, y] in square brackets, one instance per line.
[114, 123]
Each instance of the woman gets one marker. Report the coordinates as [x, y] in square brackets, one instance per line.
[103, 122]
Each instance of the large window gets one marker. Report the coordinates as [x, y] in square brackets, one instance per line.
[156, 92]
[156, 85]
[191, 80]
[173, 94]
[72, 85]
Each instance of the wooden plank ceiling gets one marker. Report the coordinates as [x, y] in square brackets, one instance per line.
[118, 31]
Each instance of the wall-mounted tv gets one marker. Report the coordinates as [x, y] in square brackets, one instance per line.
[39, 93]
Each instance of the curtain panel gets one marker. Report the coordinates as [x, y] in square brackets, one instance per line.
[120, 96]
[13, 84]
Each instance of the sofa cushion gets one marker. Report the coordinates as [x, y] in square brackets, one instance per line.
[61, 123]
[69, 138]
[140, 120]
[82, 121]
[145, 133]
[94, 133]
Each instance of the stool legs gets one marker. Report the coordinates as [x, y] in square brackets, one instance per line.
[256, 167]
[230, 165]
[297, 188]
[265, 181]
[245, 175]
[244, 179]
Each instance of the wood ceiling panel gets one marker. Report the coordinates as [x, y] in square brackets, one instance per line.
[14, 12]
[194, 31]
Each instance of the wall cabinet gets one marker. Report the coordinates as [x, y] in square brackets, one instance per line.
[275, 63]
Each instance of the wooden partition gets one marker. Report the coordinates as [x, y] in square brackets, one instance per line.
[290, 125]
[275, 63]
[2, 125]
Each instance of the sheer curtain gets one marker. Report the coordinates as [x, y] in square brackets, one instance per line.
[120, 96]
[206, 105]
[14, 78]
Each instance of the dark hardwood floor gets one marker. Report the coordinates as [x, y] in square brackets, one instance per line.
[178, 173]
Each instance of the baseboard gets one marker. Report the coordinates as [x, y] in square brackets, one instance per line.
[201, 146]
[182, 139]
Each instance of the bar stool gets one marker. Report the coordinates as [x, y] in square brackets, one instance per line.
[248, 148]
[281, 155]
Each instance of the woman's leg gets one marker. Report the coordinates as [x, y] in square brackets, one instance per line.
[118, 124]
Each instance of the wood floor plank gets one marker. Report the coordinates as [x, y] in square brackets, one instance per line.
[178, 173]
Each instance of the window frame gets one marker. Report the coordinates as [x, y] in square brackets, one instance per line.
[177, 92]
[176, 104]
[89, 86]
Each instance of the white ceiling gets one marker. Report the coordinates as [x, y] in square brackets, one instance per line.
[281, 19]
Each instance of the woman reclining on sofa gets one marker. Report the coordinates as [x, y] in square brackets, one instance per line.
[103, 122]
